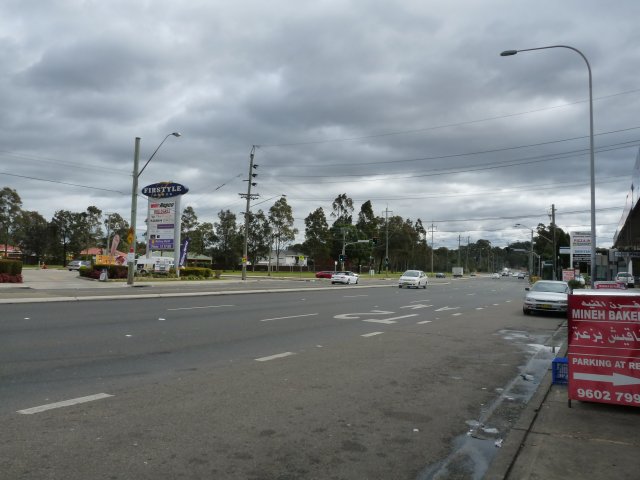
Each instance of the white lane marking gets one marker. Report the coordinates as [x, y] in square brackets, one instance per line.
[371, 334]
[416, 301]
[65, 403]
[508, 301]
[356, 316]
[416, 307]
[389, 320]
[470, 294]
[354, 296]
[273, 357]
[423, 322]
[196, 308]
[456, 314]
[447, 308]
[292, 316]
[479, 308]
[496, 304]
[161, 319]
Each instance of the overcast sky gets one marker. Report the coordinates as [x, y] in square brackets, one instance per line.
[404, 103]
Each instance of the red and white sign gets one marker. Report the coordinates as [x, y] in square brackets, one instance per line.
[604, 347]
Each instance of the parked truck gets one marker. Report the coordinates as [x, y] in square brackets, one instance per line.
[457, 272]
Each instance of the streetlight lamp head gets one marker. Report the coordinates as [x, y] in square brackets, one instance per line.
[508, 53]
[176, 134]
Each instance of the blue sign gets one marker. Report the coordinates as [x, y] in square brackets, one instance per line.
[164, 190]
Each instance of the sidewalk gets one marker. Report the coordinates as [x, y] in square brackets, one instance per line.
[589, 441]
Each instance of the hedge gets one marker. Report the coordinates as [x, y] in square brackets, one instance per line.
[113, 271]
[196, 272]
[11, 267]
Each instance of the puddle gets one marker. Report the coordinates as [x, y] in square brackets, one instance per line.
[473, 451]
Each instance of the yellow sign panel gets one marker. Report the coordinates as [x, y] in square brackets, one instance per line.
[105, 260]
[130, 236]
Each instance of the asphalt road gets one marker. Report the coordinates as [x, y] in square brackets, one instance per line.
[346, 382]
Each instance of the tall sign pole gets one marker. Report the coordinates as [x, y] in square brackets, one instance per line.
[131, 258]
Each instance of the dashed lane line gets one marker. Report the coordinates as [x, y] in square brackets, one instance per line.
[273, 357]
[285, 318]
[65, 403]
[372, 334]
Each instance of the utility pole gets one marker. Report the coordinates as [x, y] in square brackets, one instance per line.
[553, 228]
[247, 213]
[466, 263]
[459, 262]
[432, 228]
[386, 227]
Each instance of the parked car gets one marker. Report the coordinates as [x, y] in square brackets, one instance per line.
[413, 278]
[76, 264]
[522, 275]
[324, 274]
[344, 277]
[495, 275]
[546, 296]
[440, 275]
[626, 278]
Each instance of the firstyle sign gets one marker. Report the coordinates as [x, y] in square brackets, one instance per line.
[164, 190]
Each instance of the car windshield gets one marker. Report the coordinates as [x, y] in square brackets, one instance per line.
[550, 287]
[411, 273]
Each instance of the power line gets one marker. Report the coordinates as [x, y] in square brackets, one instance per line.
[63, 183]
[437, 127]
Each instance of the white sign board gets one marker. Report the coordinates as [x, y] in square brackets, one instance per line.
[161, 221]
[580, 243]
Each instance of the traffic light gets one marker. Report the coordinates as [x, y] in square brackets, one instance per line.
[375, 240]
[342, 258]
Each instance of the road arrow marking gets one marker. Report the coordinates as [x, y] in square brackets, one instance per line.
[615, 378]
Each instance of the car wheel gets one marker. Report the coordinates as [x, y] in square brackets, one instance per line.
[357, 281]
[526, 312]
[425, 286]
[399, 286]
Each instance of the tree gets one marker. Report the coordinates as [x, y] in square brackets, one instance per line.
[189, 222]
[342, 210]
[60, 230]
[202, 239]
[10, 205]
[259, 242]
[116, 225]
[281, 220]
[226, 250]
[31, 234]
[317, 235]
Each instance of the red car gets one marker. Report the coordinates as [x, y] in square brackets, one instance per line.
[325, 274]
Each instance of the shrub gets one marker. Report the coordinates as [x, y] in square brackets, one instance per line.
[8, 278]
[12, 267]
[113, 271]
[574, 284]
[195, 272]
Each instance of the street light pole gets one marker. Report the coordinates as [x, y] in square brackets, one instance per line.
[131, 259]
[507, 53]
[531, 250]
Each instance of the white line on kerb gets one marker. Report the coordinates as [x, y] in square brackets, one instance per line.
[371, 334]
[195, 308]
[292, 316]
[273, 357]
[65, 403]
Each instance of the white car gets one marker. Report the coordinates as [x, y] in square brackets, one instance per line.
[413, 278]
[76, 264]
[495, 275]
[546, 296]
[626, 278]
[344, 278]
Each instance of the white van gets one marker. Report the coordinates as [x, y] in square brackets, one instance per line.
[154, 264]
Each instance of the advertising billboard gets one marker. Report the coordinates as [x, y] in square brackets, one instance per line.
[580, 243]
[161, 223]
[604, 347]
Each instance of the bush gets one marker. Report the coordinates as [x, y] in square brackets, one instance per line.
[7, 278]
[574, 284]
[11, 267]
[199, 272]
[113, 271]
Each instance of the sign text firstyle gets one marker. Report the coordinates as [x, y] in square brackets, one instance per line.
[164, 190]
